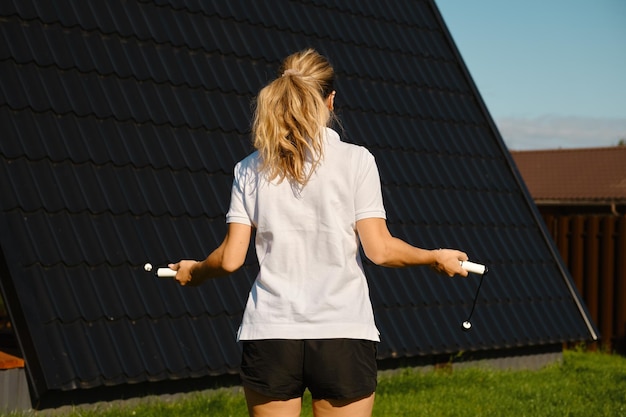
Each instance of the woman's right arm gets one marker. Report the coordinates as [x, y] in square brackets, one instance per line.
[226, 259]
[384, 249]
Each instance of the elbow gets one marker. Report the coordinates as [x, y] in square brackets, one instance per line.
[377, 257]
[384, 262]
[384, 255]
[229, 266]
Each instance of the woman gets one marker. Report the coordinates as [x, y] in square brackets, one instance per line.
[313, 200]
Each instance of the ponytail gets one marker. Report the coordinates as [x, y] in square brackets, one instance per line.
[290, 115]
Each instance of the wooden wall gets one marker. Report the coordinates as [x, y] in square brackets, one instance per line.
[594, 250]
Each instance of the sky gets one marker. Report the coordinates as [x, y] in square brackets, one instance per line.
[551, 72]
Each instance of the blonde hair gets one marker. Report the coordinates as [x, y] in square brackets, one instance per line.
[290, 115]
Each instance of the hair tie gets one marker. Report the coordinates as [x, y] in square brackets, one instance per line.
[291, 71]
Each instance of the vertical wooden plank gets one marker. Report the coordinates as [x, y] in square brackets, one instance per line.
[620, 276]
[548, 219]
[590, 279]
[562, 238]
[577, 250]
[607, 280]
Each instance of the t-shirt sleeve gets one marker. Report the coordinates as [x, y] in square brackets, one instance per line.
[368, 198]
[237, 212]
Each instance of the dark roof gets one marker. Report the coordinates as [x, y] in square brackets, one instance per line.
[586, 174]
[122, 122]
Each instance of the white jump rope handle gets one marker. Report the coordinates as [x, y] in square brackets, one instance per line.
[165, 273]
[474, 267]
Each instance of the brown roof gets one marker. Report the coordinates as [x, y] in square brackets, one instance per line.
[574, 174]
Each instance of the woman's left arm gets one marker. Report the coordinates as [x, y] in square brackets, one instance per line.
[384, 249]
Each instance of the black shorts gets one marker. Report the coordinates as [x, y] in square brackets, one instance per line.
[331, 369]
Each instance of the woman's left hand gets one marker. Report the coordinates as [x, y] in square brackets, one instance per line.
[448, 261]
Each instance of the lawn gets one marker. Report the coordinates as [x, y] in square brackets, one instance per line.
[583, 384]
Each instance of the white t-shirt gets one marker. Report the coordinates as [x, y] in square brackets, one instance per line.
[311, 283]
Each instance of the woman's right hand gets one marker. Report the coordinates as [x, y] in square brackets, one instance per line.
[183, 271]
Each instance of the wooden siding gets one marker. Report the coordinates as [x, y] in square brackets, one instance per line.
[594, 250]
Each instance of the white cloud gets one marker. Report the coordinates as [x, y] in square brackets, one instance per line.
[553, 132]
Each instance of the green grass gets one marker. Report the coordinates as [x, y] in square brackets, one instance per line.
[583, 384]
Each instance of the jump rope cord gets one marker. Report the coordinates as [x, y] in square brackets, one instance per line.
[480, 283]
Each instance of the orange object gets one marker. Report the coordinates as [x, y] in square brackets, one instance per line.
[10, 362]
